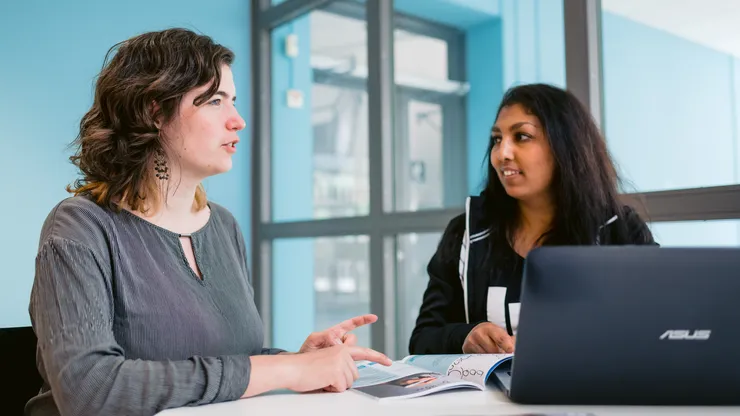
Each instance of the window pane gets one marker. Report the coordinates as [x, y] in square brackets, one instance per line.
[420, 185]
[671, 90]
[319, 119]
[317, 283]
[428, 152]
[417, 56]
[340, 152]
[718, 233]
[413, 254]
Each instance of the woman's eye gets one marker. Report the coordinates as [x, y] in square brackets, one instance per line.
[217, 101]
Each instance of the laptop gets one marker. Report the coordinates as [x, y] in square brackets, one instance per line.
[627, 325]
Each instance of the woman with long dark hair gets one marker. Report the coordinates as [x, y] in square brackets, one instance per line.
[550, 182]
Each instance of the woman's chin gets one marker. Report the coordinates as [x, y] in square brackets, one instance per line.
[222, 167]
[528, 195]
[516, 192]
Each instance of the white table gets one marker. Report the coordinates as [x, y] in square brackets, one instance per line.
[453, 403]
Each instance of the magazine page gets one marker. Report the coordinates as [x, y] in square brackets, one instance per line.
[373, 373]
[402, 381]
[470, 367]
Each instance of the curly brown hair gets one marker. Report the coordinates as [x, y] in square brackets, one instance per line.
[143, 83]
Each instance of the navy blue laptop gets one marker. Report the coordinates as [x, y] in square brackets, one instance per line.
[627, 325]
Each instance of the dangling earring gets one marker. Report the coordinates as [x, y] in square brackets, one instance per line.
[160, 166]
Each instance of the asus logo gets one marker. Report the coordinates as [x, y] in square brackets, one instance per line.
[686, 335]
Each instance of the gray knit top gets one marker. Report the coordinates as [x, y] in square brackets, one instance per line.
[124, 325]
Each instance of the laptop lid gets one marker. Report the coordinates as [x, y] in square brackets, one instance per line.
[629, 325]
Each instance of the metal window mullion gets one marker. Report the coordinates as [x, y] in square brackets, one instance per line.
[456, 65]
[401, 154]
[390, 223]
[349, 81]
[583, 63]
[454, 154]
[261, 254]
[380, 85]
[696, 204]
[454, 133]
[390, 264]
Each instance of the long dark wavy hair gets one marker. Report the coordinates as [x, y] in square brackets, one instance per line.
[144, 81]
[585, 183]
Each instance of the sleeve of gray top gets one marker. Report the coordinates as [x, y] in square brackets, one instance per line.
[271, 351]
[71, 308]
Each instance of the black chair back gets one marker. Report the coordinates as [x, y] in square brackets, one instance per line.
[18, 366]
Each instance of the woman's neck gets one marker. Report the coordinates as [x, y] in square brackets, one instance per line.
[536, 216]
[535, 219]
[177, 210]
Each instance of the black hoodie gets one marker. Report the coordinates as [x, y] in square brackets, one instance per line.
[463, 292]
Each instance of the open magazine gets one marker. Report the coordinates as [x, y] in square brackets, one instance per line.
[419, 375]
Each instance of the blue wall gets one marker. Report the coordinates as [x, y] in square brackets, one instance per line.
[459, 13]
[534, 41]
[292, 133]
[293, 295]
[483, 52]
[293, 300]
[51, 52]
[524, 43]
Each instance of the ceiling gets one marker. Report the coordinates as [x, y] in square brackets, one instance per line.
[712, 23]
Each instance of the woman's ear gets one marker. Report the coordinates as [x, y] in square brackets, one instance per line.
[155, 113]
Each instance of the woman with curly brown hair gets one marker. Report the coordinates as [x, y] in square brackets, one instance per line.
[142, 299]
